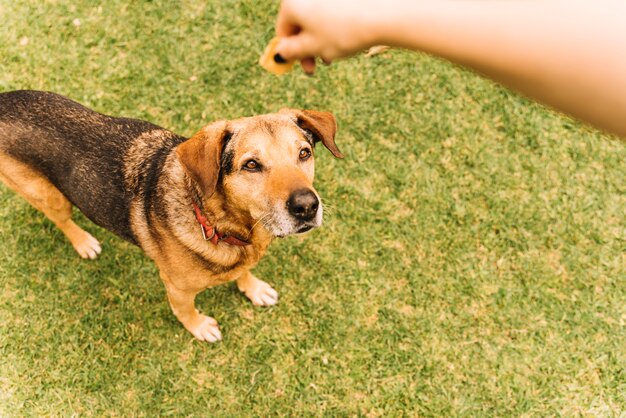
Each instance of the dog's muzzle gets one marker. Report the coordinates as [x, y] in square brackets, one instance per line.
[302, 212]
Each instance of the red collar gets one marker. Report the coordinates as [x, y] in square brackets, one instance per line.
[210, 233]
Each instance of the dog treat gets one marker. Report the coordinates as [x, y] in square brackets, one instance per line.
[274, 62]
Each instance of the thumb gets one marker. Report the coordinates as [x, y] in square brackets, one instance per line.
[296, 47]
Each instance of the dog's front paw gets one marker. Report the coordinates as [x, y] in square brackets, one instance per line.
[259, 292]
[206, 330]
[87, 246]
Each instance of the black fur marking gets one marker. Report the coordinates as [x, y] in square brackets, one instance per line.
[80, 151]
[309, 137]
[228, 156]
[151, 206]
[227, 162]
[227, 137]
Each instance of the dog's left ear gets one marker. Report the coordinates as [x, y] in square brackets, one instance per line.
[322, 125]
[201, 154]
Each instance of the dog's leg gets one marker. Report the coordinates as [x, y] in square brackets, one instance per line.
[182, 302]
[44, 196]
[259, 292]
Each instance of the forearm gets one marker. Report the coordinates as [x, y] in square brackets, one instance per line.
[570, 55]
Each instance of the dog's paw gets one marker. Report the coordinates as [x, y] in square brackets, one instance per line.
[260, 293]
[208, 330]
[87, 246]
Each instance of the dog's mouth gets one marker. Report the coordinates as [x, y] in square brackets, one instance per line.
[300, 230]
[304, 228]
[283, 223]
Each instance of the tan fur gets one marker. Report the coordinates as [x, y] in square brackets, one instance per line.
[184, 276]
[42, 195]
[200, 155]
[244, 204]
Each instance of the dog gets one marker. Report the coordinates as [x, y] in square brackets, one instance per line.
[203, 208]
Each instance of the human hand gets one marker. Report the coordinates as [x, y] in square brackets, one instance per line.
[327, 29]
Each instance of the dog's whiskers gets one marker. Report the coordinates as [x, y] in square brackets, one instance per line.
[261, 219]
[328, 209]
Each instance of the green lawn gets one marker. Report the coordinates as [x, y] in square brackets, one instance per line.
[471, 263]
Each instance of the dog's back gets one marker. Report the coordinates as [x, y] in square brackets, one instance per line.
[80, 151]
[204, 218]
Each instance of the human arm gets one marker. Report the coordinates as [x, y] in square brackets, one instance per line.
[570, 55]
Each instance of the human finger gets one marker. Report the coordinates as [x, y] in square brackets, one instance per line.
[298, 46]
[308, 65]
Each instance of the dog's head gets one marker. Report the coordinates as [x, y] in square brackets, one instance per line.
[263, 166]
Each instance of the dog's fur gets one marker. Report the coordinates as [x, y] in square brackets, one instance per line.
[141, 182]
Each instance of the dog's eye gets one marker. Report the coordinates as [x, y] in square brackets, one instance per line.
[305, 153]
[252, 165]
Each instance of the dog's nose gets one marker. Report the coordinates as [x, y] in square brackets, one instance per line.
[303, 204]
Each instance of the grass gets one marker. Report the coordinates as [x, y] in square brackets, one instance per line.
[472, 263]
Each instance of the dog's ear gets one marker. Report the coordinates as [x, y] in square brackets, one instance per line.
[321, 124]
[201, 154]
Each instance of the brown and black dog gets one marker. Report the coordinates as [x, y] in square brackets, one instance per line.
[204, 209]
